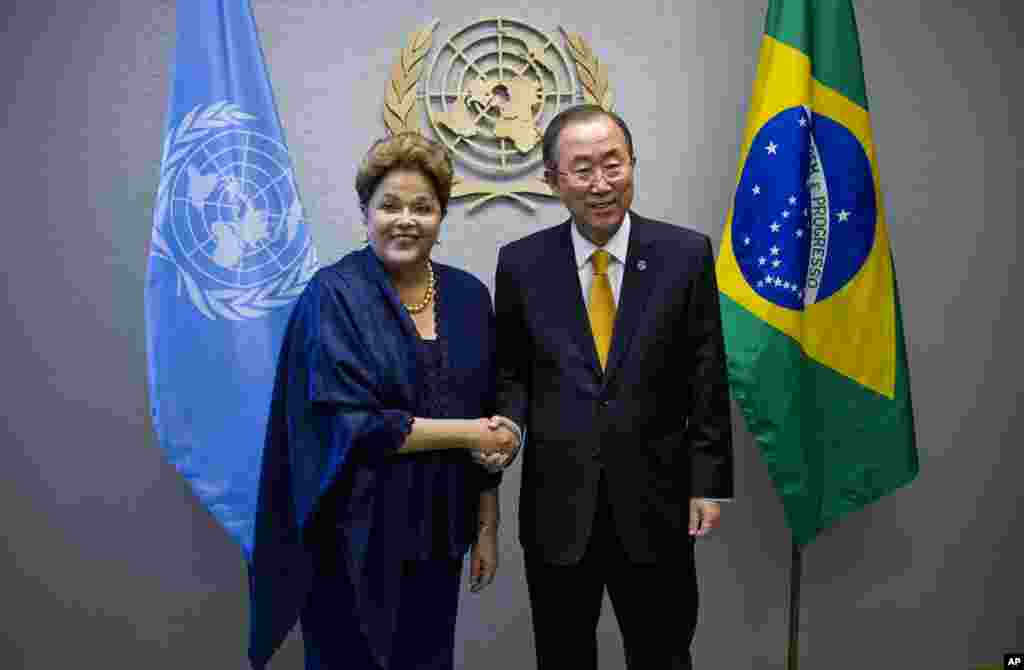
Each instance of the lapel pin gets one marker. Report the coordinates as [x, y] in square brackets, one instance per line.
[641, 265]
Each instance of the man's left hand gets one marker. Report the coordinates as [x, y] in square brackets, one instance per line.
[704, 516]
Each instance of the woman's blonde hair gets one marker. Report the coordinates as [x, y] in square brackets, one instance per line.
[405, 150]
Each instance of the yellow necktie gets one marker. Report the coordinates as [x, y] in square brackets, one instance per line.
[601, 307]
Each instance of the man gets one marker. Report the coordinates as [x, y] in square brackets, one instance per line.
[611, 357]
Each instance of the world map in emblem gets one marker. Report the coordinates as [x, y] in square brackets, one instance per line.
[235, 214]
[492, 87]
[805, 211]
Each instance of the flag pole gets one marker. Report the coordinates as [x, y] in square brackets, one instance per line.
[793, 651]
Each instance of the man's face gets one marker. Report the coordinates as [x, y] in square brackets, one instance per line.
[594, 176]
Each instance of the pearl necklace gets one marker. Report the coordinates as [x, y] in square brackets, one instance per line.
[427, 297]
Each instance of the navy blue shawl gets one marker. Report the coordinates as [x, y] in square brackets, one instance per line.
[346, 387]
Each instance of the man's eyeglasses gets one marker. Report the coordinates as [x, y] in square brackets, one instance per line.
[585, 176]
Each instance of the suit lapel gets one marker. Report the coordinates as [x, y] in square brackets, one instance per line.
[565, 291]
[640, 269]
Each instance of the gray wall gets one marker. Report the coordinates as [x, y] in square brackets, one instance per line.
[107, 559]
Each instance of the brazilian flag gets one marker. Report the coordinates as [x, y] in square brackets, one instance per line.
[811, 314]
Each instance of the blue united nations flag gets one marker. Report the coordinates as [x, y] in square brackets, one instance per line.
[230, 253]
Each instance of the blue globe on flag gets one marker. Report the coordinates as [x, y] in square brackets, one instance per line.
[235, 213]
[805, 209]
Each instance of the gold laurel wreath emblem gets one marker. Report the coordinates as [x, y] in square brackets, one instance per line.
[400, 100]
[592, 73]
[401, 114]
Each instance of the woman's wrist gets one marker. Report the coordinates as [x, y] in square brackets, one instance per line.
[476, 434]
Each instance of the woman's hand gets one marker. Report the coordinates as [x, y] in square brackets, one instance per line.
[483, 563]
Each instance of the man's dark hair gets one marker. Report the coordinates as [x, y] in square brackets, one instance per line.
[579, 114]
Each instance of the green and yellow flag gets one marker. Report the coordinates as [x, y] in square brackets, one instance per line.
[809, 304]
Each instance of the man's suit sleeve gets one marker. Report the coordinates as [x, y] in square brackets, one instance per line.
[709, 430]
[513, 342]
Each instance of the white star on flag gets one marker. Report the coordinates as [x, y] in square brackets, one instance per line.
[746, 240]
[803, 122]
[776, 263]
[775, 251]
[775, 227]
[799, 232]
[772, 147]
[843, 215]
[762, 260]
[792, 199]
[785, 214]
[757, 189]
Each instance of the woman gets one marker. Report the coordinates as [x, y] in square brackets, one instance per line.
[377, 475]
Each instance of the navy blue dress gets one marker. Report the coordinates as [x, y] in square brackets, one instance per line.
[365, 543]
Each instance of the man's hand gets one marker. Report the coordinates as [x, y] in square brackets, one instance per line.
[500, 445]
[704, 516]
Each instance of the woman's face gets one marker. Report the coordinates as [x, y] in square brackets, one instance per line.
[403, 219]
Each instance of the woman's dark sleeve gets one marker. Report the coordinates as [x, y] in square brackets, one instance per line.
[346, 382]
[334, 410]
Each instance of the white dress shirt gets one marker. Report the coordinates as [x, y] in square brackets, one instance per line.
[617, 247]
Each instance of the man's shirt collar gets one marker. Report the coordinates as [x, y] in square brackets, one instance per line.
[617, 246]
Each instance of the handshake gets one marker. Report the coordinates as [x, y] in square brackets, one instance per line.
[498, 443]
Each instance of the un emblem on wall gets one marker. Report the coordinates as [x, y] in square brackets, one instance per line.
[488, 93]
[230, 216]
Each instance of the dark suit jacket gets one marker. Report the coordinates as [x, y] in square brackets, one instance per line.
[656, 422]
